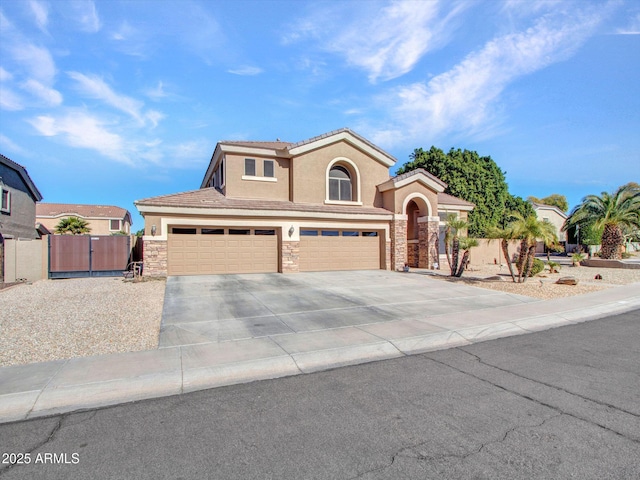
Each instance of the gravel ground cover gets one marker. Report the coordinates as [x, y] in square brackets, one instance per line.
[543, 285]
[59, 319]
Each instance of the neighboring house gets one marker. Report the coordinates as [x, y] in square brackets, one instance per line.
[19, 197]
[102, 219]
[326, 203]
[553, 215]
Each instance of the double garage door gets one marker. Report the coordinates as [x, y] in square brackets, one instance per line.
[205, 251]
[216, 250]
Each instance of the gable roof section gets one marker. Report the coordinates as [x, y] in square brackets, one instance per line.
[53, 210]
[290, 150]
[210, 198]
[35, 193]
[542, 206]
[348, 136]
[419, 175]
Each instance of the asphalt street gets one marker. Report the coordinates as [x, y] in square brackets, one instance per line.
[563, 403]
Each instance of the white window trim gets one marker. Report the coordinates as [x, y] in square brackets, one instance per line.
[8, 209]
[259, 179]
[327, 200]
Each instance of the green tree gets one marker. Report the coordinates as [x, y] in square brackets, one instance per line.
[529, 230]
[615, 214]
[555, 200]
[469, 176]
[504, 235]
[73, 226]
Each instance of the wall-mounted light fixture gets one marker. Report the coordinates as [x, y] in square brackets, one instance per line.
[291, 230]
[153, 230]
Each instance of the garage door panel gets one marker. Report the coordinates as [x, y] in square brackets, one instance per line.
[195, 254]
[339, 253]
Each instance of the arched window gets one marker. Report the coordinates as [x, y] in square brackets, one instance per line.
[340, 186]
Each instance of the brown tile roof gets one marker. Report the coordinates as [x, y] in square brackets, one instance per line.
[446, 199]
[212, 198]
[87, 211]
[416, 172]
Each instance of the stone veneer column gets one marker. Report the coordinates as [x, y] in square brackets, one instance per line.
[154, 258]
[290, 257]
[423, 244]
[387, 256]
[398, 234]
[434, 242]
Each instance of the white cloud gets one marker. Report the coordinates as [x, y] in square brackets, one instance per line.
[50, 96]
[4, 75]
[85, 14]
[157, 92]
[466, 98]
[79, 129]
[36, 60]
[632, 28]
[386, 41]
[246, 70]
[40, 12]
[9, 100]
[8, 144]
[95, 87]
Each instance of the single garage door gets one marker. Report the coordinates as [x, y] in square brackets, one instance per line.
[322, 250]
[210, 250]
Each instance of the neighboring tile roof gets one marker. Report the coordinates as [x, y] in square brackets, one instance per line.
[416, 172]
[446, 199]
[35, 193]
[212, 198]
[87, 211]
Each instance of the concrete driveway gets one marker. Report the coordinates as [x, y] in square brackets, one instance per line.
[220, 308]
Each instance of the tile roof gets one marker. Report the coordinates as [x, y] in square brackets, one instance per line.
[87, 211]
[277, 145]
[35, 193]
[212, 198]
[416, 172]
[446, 199]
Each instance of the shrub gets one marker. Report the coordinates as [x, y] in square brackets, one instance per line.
[553, 266]
[537, 267]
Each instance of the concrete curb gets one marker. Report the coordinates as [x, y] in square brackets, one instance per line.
[43, 389]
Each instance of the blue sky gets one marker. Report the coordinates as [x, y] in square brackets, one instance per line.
[108, 102]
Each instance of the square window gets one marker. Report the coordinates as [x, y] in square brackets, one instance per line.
[250, 167]
[268, 168]
[114, 225]
[6, 201]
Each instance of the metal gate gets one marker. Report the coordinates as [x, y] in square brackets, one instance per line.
[72, 256]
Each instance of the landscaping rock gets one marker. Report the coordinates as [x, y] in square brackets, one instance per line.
[567, 281]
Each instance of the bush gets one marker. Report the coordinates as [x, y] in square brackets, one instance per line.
[537, 267]
[553, 266]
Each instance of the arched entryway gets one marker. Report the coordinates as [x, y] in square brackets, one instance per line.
[418, 211]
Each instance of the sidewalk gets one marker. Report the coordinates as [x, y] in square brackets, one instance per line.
[36, 390]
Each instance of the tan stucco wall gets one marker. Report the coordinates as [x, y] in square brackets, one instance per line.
[98, 227]
[236, 187]
[394, 200]
[24, 259]
[555, 219]
[310, 174]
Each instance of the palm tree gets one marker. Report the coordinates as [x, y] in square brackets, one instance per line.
[465, 244]
[504, 235]
[452, 241]
[529, 230]
[73, 226]
[613, 213]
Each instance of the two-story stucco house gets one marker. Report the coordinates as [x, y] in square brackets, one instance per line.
[326, 203]
[101, 219]
[554, 216]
